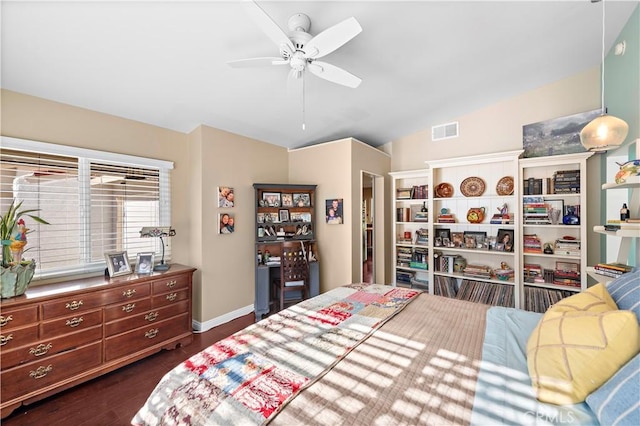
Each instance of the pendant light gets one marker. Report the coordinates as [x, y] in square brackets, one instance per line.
[604, 132]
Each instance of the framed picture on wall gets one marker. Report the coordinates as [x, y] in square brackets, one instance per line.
[226, 223]
[334, 211]
[226, 197]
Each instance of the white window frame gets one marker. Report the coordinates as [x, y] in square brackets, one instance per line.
[85, 156]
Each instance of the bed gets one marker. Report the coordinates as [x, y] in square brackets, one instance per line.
[376, 355]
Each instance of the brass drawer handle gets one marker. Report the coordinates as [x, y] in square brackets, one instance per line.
[129, 293]
[172, 283]
[151, 333]
[74, 322]
[171, 297]
[40, 372]
[152, 316]
[74, 305]
[129, 307]
[5, 339]
[41, 349]
[5, 320]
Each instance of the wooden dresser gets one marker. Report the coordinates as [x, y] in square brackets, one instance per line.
[59, 335]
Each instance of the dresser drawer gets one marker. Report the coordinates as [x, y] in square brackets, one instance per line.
[17, 337]
[170, 283]
[147, 318]
[21, 380]
[126, 310]
[143, 337]
[12, 318]
[45, 348]
[170, 297]
[89, 301]
[70, 324]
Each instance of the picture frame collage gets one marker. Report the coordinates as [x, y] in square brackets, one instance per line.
[226, 220]
[475, 240]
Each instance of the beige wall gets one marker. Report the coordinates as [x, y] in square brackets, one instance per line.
[226, 261]
[498, 127]
[336, 168]
[329, 166]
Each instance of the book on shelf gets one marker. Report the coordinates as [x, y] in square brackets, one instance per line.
[420, 192]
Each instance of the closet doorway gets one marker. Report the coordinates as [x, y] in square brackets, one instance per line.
[371, 225]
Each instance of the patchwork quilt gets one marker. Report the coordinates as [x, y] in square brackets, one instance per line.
[250, 376]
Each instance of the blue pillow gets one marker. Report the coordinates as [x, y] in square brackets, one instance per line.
[625, 291]
[616, 402]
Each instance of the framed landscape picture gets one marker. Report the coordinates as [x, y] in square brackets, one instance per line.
[556, 136]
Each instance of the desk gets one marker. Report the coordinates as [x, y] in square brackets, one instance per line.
[264, 274]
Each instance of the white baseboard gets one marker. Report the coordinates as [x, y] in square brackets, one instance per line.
[199, 327]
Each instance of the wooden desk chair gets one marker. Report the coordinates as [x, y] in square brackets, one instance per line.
[294, 274]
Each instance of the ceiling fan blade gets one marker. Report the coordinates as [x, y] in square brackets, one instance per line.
[332, 38]
[268, 26]
[256, 62]
[334, 74]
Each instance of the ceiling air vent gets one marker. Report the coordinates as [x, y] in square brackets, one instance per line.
[444, 131]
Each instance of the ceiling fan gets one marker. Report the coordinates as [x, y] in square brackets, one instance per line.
[300, 50]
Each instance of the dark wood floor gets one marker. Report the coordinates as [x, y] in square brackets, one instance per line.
[113, 399]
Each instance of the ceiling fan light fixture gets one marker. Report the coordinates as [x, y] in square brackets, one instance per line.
[604, 133]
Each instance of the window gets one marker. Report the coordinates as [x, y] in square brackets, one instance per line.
[94, 201]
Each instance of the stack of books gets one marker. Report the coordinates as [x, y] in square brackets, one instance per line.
[533, 273]
[613, 270]
[404, 257]
[567, 274]
[567, 247]
[446, 218]
[532, 244]
[404, 278]
[477, 271]
[535, 211]
[566, 182]
[419, 258]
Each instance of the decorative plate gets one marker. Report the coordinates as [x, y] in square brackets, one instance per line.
[444, 190]
[472, 187]
[505, 186]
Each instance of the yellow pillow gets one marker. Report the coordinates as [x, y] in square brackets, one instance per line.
[593, 299]
[571, 354]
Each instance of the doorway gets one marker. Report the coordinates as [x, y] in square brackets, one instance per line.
[370, 221]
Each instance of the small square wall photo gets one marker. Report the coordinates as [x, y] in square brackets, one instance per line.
[226, 197]
[226, 223]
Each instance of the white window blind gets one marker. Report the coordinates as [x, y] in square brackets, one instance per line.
[95, 202]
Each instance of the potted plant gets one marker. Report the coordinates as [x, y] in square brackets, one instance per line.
[15, 273]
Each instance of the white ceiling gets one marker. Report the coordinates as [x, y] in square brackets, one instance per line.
[421, 62]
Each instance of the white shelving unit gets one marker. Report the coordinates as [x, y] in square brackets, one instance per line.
[544, 168]
[491, 168]
[628, 233]
[410, 190]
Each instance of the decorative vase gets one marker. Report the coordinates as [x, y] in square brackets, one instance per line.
[15, 279]
[475, 215]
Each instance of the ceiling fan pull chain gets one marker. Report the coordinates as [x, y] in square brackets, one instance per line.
[303, 101]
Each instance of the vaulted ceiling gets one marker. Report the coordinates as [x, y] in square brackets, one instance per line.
[421, 62]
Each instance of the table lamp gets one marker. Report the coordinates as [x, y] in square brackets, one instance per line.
[158, 231]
